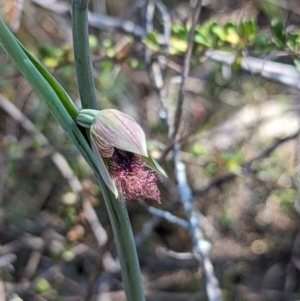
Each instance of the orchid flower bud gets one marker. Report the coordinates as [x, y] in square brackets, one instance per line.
[120, 148]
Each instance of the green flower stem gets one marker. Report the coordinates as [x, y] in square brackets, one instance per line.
[82, 54]
[117, 212]
[120, 223]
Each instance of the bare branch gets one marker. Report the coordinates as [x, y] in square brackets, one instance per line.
[282, 73]
[201, 247]
[184, 74]
[186, 69]
[165, 215]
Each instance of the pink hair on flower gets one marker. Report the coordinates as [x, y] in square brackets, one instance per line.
[133, 181]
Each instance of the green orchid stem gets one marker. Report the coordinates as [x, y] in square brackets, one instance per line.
[116, 209]
[124, 239]
[82, 54]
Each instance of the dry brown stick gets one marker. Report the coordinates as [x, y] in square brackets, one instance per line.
[186, 69]
[32, 265]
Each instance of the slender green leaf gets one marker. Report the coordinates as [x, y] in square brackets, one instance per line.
[59, 90]
[278, 32]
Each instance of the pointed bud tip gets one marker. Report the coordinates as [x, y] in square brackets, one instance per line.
[86, 117]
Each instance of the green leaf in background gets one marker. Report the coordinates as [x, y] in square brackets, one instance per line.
[260, 41]
[109, 48]
[218, 31]
[278, 32]
[217, 34]
[271, 8]
[134, 63]
[232, 35]
[93, 42]
[236, 65]
[248, 29]
[204, 35]
[177, 45]
[42, 286]
[201, 39]
[293, 41]
[179, 31]
[151, 41]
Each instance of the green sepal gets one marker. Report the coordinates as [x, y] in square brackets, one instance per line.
[104, 171]
[153, 164]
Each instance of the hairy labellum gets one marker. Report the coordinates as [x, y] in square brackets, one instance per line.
[133, 181]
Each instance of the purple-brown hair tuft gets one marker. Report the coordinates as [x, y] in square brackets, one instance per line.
[132, 179]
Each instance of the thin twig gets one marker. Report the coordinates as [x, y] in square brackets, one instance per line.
[112, 23]
[165, 215]
[156, 77]
[153, 222]
[146, 230]
[59, 7]
[201, 246]
[166, 19]
[133, 8]
[186, 69]
[150, 8]
[184, 75]
[156, 66]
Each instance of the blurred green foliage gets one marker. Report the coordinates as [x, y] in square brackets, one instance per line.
[231, 37]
